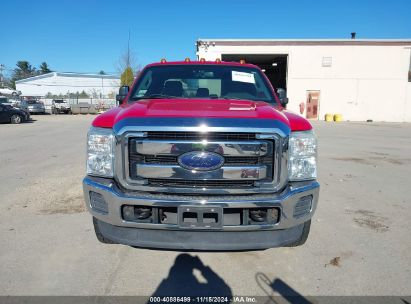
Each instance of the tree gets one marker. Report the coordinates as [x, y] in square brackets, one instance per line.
[44, 68]
[23, 70]
[127, 77]
[83, 95]
[127, 59]
[127, 65]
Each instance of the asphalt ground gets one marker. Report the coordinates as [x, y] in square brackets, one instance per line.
[359, 244]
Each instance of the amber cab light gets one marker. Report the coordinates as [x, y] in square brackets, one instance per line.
[202, 60]
[163, 60]
[242, 61]
[187, 59]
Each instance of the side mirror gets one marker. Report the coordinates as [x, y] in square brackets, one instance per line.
[122, 94]
[282, 95]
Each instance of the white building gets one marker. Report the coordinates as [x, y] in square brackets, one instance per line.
[55, 83]
[360, 79]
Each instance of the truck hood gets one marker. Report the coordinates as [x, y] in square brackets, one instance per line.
[244, 113]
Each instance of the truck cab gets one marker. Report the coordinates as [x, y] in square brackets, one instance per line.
[201, 155]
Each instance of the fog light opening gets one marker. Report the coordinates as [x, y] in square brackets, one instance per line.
[141, 214]
[259, 216]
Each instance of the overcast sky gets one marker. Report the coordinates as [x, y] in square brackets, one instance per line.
[89, 36]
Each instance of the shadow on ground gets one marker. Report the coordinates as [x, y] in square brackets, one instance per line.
[278, 289]
[190, 277]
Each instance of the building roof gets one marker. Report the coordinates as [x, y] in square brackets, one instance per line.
[68, 74]
[251, 42]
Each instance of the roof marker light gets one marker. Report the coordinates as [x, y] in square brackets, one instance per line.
[242, 61]
[187, 59]
[202, 60]
[218, 60]
[163, 60]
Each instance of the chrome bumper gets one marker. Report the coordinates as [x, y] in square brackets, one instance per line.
[286, 202]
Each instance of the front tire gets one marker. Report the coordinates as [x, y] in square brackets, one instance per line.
[99, 235]
[16, 119]
[304, 235]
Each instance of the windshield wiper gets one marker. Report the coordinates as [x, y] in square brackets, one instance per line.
[236, 98]
[153, 96]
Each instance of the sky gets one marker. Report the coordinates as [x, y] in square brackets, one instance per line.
[89, 36]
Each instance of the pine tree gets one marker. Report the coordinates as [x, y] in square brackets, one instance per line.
[44, 68]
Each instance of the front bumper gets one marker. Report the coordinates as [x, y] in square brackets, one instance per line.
[287, 230]
[62, 109]
[37, 110]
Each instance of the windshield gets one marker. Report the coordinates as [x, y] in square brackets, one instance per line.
[3, 100]
[202, 81]
[59, 101]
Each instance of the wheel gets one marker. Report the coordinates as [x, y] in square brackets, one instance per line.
[304, 235]
[16, 119]
[99, 236]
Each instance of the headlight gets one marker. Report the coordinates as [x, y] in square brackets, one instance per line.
[302, 156]
[100, 152]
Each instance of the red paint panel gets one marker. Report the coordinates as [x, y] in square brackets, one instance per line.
[212, 108]
[200, 108]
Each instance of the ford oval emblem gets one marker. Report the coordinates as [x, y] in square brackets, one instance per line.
[201, 160]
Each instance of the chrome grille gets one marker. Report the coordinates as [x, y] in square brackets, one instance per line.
[153, 159]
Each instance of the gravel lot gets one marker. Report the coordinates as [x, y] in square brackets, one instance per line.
[359, 244]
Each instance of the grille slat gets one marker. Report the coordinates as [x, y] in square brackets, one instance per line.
[200, 136]
[199, 183]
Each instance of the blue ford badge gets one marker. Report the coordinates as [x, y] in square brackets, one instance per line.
[201, 160]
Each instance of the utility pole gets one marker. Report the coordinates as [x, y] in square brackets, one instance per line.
[2, 67]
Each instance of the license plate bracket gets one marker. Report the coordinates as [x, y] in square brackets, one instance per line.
[200, 217]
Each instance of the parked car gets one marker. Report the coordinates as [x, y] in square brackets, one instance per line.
[201, 156]
[22, 105]
[4, 100]
[8, 91]
[12, 115]
[16, 103]
[35, 107]
[60, 106]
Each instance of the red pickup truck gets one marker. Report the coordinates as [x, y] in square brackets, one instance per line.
[201, 155]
